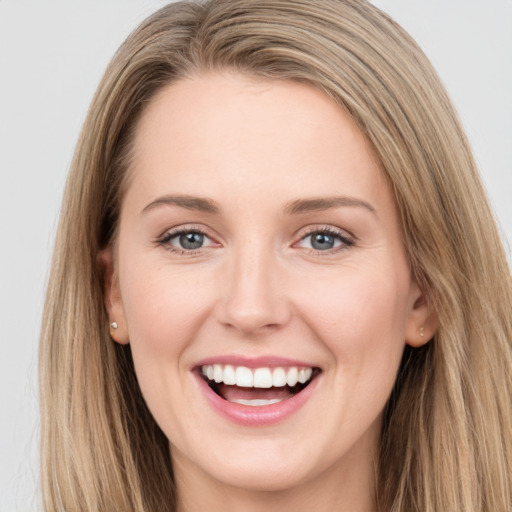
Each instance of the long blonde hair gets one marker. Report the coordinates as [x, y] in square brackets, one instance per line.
[447, 435]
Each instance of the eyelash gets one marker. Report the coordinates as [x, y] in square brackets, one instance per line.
[164, 240]
[346, 241]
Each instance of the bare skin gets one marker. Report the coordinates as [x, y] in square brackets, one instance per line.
[298, 254]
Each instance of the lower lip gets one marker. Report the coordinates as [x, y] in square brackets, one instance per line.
[260, 415]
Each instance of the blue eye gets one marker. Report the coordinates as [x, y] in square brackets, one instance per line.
[185, 240]
[190, 241]
[324, 240]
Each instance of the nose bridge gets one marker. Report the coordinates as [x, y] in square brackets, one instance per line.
[254, 296]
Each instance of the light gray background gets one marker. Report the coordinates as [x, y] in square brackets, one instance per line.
[52, 56]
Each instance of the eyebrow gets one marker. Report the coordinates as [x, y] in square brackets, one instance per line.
[320, 204]
[201, 204]
[296, 207]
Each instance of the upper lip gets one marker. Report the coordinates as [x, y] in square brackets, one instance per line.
[255, 362]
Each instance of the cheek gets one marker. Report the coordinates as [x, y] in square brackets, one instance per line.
[164, 310]
[361, 321]
[358, 314]
[163, 307]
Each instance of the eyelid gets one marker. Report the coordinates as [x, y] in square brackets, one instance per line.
[170, 233]
[347, 239]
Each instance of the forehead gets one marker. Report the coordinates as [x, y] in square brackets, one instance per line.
[214, 131]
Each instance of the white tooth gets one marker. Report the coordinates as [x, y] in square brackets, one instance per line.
[209, 371]
[229, 376]
[204, 370]
[305, 375]
[262, 378]
[292, 376]
[257, 402]
[278, 378]
[244, 377]
[217, 373]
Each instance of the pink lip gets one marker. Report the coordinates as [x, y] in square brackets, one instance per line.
[258, 416]
[254, 362]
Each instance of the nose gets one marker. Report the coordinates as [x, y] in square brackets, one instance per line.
[254, 299]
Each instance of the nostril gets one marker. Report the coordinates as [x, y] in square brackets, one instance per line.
[254, 314]
[255, 319]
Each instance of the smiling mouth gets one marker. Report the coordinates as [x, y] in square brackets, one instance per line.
[257, 387]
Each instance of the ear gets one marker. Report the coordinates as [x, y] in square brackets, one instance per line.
[112, 295]
[422, 320]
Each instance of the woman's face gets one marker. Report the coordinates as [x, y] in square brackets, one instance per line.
[259, 244]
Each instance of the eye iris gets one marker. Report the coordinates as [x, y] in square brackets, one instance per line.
[322, 241]
[191, 240]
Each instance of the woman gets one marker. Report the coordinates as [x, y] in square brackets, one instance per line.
[272, 280]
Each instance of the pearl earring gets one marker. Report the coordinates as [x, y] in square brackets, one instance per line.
[113, 327]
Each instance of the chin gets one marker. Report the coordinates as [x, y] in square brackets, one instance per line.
[262, 476]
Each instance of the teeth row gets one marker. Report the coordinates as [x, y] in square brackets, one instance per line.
[258, 377]
[256, 403]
